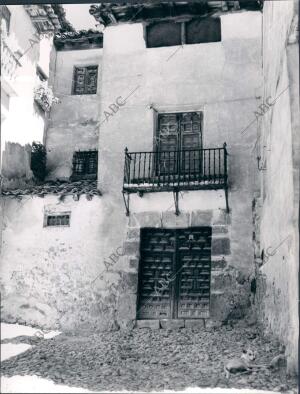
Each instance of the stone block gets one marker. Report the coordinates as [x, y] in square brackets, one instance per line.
[153, 324]
[144, 219]
[221, 217]
[220, 246]
[130, 282]
[201, 218]
[218, 264]
[172, 324]
[133, 233]
[131, 248]
[219, 307]
[170, 220]
[126, 307]
[194, 323]
[134, 263]
[210, 324]
[219, 229]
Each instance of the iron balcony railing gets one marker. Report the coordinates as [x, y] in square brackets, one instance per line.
[191, 169]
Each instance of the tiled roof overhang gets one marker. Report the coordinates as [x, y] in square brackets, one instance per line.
[108, 13]
[81, 39]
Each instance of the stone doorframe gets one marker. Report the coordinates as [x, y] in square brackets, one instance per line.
[219, 220]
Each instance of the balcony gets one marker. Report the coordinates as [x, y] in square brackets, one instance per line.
[9, 63]
[165, 171]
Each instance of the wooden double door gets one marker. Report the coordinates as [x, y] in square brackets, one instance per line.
[174, 275]
[179, 143]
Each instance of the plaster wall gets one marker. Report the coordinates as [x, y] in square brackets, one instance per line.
[55, 266]
[47, 272]
[278, 284]
[74, 123]
[24, 121]
[223, 80]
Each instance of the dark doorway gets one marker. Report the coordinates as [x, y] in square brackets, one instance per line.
[174, 275]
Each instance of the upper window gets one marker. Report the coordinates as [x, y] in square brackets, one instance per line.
[5, 19]
[85, 165]
[195, 31]
[85, 80]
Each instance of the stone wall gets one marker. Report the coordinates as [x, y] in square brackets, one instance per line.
[279, 203]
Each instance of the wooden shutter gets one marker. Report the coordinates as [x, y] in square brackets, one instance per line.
[78, 83]
[85, 80]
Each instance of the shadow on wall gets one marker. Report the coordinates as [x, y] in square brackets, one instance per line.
[16, 169]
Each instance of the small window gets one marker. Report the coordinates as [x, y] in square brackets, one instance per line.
[85, 80]
[85, 165]
[195, 31]
[5, 20]
[163, 34]
[58, 220]
[203, 30]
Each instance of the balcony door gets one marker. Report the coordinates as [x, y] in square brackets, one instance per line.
[178, 142]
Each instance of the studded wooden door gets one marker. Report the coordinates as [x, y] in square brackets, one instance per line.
[174, 276]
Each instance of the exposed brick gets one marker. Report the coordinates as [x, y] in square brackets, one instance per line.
[169, 219]
[201, 218]
[220, 246]
[131, 248]
[194, 323]
[154, 324]
[130, 281]
[172, 324]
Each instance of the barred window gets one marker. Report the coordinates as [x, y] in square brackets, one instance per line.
[58, 220]
[85, 165]
[85, 80]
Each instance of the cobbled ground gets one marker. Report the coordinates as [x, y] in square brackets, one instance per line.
[144, 359]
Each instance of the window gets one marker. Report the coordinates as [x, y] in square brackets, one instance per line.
[179, 138]
[85, 165]
[195, 31]
[85, 80]
[5, 20]
[163, 34]
[58, 220]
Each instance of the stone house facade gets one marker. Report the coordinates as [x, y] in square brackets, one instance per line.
[148, 216]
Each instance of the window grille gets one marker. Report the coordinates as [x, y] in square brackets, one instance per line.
[85, 80]
[58, 220]
[85, 165]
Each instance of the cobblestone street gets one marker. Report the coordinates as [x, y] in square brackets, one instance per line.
[148, 360]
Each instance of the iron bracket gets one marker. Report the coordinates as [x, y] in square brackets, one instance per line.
[175, 195]
[226, 198]
[126, 202]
